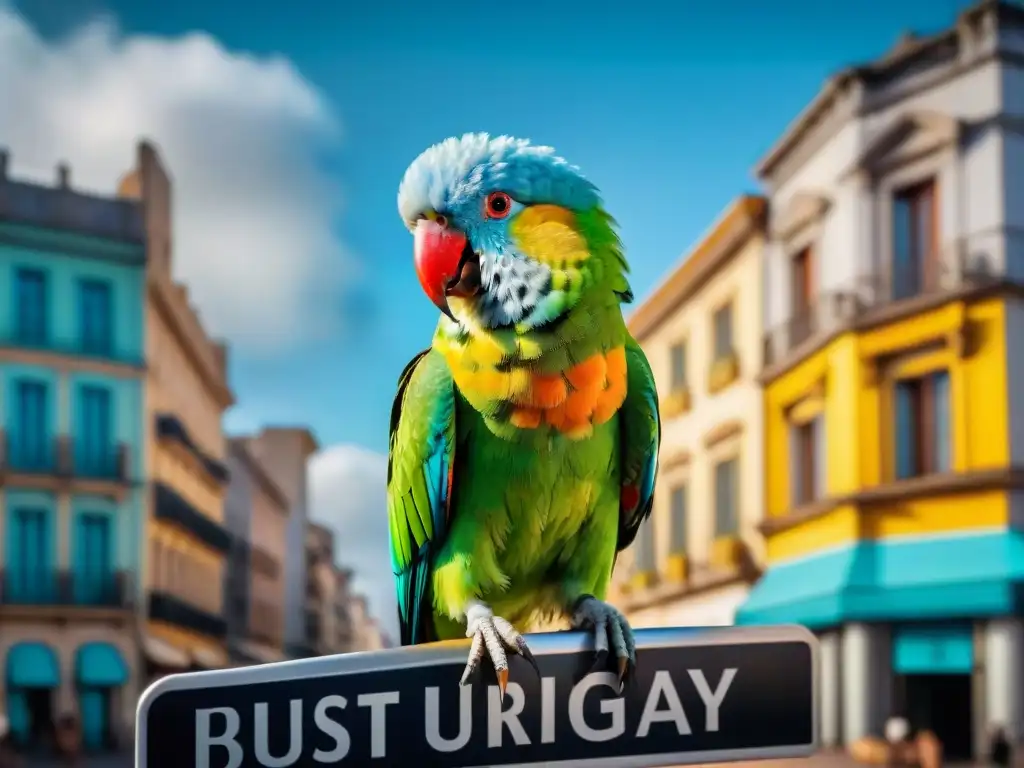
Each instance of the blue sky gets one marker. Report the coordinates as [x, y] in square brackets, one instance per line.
[666, 107]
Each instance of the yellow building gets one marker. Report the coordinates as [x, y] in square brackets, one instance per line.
[695, 557]
[893, 390]
[186, 396]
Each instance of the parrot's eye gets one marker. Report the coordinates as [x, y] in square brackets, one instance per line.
[498, 205]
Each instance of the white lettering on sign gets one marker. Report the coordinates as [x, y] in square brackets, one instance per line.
[615, 707]
[432, 700]
[262, 735]
[378, 702]
[332, 728]
[228, 739]
[712, 701]
[217, 729]
[663, 687]
[498, 719]
[547, 710]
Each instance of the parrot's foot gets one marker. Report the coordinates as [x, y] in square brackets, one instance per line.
[493, 636]
[610, 629]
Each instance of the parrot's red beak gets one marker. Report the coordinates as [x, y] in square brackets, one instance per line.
[445, 263]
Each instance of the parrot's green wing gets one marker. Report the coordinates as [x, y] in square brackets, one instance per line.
[420, 469]
[640, 431]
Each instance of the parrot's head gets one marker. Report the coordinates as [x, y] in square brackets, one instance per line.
[507, 234]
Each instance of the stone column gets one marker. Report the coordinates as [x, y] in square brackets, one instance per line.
[867, 680]
[828, 693]
[1004, 676]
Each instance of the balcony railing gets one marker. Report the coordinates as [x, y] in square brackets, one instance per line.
[49, 587]
[56, 208]
[169, 608]
[71, 347]
[170, 506]
[870, 296]
[59, 457]
[170, 427]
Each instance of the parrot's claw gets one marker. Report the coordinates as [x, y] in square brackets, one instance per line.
[611, 632]
[495, 637]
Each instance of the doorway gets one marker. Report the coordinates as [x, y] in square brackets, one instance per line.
[941, 704]
[31, 717]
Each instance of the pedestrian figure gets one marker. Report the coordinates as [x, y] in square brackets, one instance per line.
[1000, 751]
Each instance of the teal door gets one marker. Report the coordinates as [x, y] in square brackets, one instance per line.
[94, 706]
[30, 580]
[31, 447]
[93, 563]
[94, 433]
[17, 715]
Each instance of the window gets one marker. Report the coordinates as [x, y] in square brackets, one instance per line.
[646, 560]
[915, 240]
[677, 514]
[30, 320]
[31, 446]
[802, 294]
[93, 564]
[723, 332]
[922, 425]
[727, 497]
[95, 325]
[808, 461]
[29, 577]
[94, 454]
[677, 358]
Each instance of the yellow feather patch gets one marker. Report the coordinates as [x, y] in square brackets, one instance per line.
[547, 233]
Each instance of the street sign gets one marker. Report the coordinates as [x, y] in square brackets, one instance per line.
[700, 695]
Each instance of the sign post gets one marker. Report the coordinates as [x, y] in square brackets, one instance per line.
[699, 696]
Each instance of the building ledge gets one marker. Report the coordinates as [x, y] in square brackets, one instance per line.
[946, 483]
[851, 317]
[697, 579]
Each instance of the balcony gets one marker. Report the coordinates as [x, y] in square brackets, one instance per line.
[66, 589]
[65, 209]
[166, 607]
[171, 507]
[266, 623]
[872, 299]
[170, 427]
[72, 348]
[58, 458]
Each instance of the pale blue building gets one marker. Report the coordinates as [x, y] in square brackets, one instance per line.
[72, 340]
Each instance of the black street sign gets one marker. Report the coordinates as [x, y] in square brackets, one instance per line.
[698, 696]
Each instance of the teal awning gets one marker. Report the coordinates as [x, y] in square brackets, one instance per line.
[100, 665]
[933, 649]
[935, 578]
[32, 665]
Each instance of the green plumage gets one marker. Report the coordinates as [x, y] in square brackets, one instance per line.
[526, 520]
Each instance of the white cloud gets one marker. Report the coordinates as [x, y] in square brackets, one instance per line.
[347, 489]
[241, 137]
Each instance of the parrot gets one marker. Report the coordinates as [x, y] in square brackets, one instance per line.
[523, 442]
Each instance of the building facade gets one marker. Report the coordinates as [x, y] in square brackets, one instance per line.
[284, 453]
[321, 590]
[238, 513]
[72, 458]
[366, 631]
[266, 544]
[696, 556]
[894, 390]
[186, 396]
